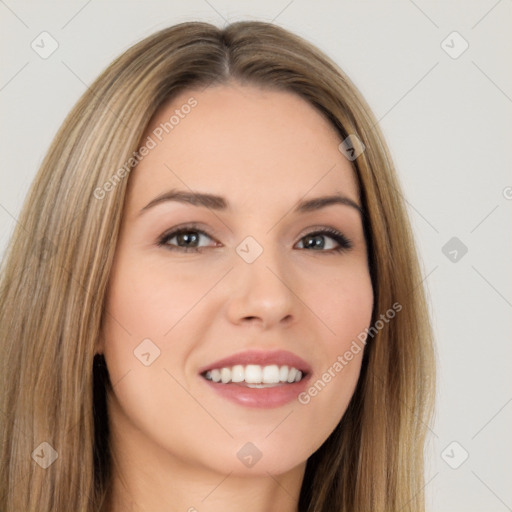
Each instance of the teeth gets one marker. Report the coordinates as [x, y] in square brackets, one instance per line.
[270, 374]
[254, 374]
[225, 375]
[237, 373]
[292, 372]
[215, 375]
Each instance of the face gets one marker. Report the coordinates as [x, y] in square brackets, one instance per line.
[254, 282]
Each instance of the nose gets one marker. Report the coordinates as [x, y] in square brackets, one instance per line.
[263, 294]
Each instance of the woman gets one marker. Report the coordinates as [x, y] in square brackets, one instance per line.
[212, 299]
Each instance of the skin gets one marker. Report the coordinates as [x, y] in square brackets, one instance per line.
[174, 440]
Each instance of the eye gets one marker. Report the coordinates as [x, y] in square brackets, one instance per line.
[186, 239]
[193, 239]
[317, 241]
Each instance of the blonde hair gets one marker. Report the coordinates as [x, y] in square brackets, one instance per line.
[56, 270]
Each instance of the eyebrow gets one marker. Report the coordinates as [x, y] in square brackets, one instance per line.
[219, 203]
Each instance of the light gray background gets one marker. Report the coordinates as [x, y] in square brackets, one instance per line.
[449, 126]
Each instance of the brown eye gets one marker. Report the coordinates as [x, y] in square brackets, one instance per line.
[185, 239]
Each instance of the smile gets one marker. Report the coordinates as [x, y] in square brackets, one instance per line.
[258, 378]
[255, 376]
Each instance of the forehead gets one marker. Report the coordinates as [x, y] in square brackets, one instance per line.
[245, 143]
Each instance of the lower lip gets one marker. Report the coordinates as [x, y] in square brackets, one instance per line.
[264, 398]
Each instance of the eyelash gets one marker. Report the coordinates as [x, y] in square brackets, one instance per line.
[344, 244]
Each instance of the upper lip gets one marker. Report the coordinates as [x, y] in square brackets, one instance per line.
[262, 358]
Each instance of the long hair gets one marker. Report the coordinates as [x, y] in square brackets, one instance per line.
[56, 270]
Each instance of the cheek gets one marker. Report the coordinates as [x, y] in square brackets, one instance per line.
[344, 303]
[145, 308]
[149, 312]
[149, 300]
[344, 306]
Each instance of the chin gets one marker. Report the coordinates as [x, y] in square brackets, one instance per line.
[260, 457]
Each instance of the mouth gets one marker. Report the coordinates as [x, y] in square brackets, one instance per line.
[255, 376]
[258, 378]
